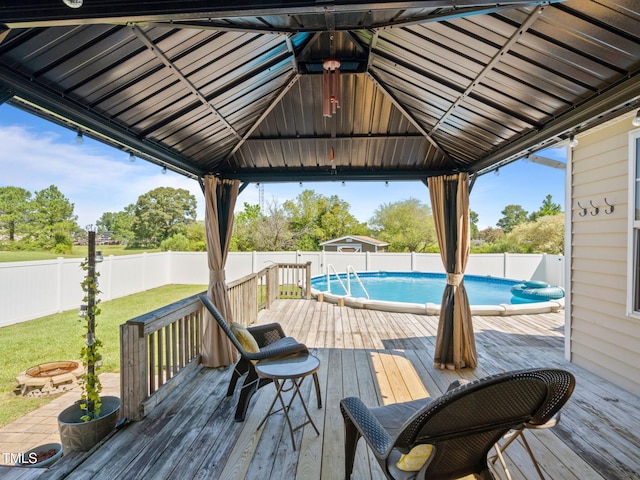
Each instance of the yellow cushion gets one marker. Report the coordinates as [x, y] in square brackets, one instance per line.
[245, 338]
[415, 459]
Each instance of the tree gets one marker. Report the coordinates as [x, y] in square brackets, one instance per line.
[406, 225]
[244, 228]
[473, 220]
[491, 235]
[161, 213]
[121, 225]
[106, 222]
[316, 218]
[547, 208]
[193, 240]
[195, 233]
[15, 211]
[512, 215]
[545, 235]
[272, 232]
[52, 215]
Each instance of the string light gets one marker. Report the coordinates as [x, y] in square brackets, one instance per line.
[573, 141]
[164, 170]
[132, 157]
[79, 138]
[73, 3]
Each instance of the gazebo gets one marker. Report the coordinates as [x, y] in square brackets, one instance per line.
[233, 93]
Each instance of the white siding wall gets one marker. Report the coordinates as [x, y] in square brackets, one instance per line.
[603, 338]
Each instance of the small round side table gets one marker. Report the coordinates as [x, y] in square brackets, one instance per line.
[295, 368]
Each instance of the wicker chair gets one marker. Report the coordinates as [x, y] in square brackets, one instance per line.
[462, 425]
[272, 342]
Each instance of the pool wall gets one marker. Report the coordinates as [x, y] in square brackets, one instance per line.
[434, 309]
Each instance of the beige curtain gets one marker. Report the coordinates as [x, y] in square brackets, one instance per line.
[455, 343]
[220, 198]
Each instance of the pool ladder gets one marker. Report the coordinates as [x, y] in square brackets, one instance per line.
[348, 273]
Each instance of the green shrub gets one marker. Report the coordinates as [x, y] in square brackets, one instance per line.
[200, 246]
[175, 243]
[62, 242]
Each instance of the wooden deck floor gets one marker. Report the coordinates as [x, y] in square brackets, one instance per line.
[383, 358]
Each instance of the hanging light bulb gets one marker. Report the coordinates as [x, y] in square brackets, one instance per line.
[636, 120]
[79, 138]
[164, 170]
[132, 157]
[573, 141]
[73, 3]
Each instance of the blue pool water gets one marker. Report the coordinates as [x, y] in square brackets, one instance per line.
[421, 287]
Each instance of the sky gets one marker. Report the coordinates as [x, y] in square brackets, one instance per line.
[96, 178]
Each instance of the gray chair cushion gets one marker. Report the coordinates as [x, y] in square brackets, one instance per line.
[393, 417]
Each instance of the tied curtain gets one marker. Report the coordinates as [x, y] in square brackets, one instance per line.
[220, 199]
[455, 343]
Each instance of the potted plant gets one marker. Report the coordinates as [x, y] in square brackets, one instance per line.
[89, 420]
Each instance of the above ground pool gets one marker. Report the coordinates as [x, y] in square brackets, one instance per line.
[421, 290]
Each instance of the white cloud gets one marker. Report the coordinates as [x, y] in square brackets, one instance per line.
[94, 177]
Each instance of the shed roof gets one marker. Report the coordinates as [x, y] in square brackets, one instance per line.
[361, 238]
[234, 88]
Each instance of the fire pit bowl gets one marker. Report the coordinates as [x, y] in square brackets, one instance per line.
[49, 378]
[52, 369]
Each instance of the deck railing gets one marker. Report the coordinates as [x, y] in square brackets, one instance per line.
[161, 349]
[158, 350]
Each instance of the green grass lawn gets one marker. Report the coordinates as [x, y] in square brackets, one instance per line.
[78, 251]
[60, 336]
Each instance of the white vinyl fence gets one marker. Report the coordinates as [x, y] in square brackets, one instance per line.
[34, 289]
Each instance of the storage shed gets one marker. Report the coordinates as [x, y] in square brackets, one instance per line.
[354, 243]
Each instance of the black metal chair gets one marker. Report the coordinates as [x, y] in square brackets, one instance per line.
[273, 343]
[462, 425]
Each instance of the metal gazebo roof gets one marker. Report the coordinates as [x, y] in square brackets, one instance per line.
[235, 88]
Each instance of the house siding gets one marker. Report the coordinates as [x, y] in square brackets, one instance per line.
[604, 339]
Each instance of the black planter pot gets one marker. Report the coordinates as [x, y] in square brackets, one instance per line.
[79, 436]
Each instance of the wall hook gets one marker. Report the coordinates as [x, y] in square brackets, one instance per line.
[609, 210]
[584, 210]
[596, 210]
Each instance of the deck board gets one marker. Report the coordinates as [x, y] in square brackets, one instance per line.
[382, 358]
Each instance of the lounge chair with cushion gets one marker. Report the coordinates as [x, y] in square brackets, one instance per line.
[450, 436]
[255, 344]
